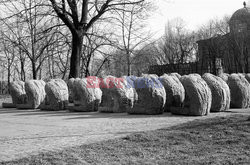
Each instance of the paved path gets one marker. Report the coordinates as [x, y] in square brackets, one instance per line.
[25, 132]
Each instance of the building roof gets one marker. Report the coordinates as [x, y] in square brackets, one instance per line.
[215, 38]
[242, 14]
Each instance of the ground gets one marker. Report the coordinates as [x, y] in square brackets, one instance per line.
[29, 132]
[220, 140]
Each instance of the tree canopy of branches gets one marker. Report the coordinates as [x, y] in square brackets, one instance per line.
[79, 17]
[178, 44]
[28, 30]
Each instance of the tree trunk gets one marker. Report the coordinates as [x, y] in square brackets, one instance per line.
[129, 69]
[34, 70]
[87, 73]
[129, 64]
[77, 41]
[23, 77]
[9, 74]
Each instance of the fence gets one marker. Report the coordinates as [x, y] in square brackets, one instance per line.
[186, 68]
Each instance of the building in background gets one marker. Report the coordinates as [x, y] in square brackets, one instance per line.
[229, 53]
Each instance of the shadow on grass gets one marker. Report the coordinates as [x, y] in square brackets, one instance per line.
[88, 115]
[79, 115]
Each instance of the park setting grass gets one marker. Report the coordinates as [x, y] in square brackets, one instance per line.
[220, 140]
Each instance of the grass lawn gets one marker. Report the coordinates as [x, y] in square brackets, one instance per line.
[222, 140]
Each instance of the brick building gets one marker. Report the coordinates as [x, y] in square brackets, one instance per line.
[230, 52]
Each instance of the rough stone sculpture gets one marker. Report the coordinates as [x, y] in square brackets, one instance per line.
[198, 97]
[224, 76]
[195, 74]
[57, 95]
[35, 90]
[220, 92]
[175, 92]
[116, 96]
[151, 96]
[18, 94]
[247, 76]
[176, 75]
[85, 98]
[240, 91]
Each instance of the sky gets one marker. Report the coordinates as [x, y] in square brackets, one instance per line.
[193, 12]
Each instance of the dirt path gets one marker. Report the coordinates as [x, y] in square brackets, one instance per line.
[25, 132]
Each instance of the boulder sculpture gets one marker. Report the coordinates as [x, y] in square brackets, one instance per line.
[175, 92]
[224, 76]
[117, 97]
[198, 97]
[176, 75]
[18, 94]
[151, 96]
[220, 92]
[57, 95]
[35, 90]
[85, 98]
[240, 91]
[247, 76]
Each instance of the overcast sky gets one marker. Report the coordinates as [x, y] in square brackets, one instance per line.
[193, 12]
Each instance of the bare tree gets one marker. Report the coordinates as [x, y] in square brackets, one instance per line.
[32, 32]
[95, 44]
[178, 44]
[132, 30]
[9, 54]
[213, 28]
[79, 17]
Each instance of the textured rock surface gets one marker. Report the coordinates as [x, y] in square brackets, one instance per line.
[240, 91]
[151, 96]
[224, 76]
[85, 99]
[116, 96]
[70, 88]
[198, 97]
[175, 92]
[176, 75]
[130, 84]
[195, 74]
[247, 76]
[18, 94]
[220, 92]
[35, 90]
[57, 95]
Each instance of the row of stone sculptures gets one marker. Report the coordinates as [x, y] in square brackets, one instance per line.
[149, 94]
